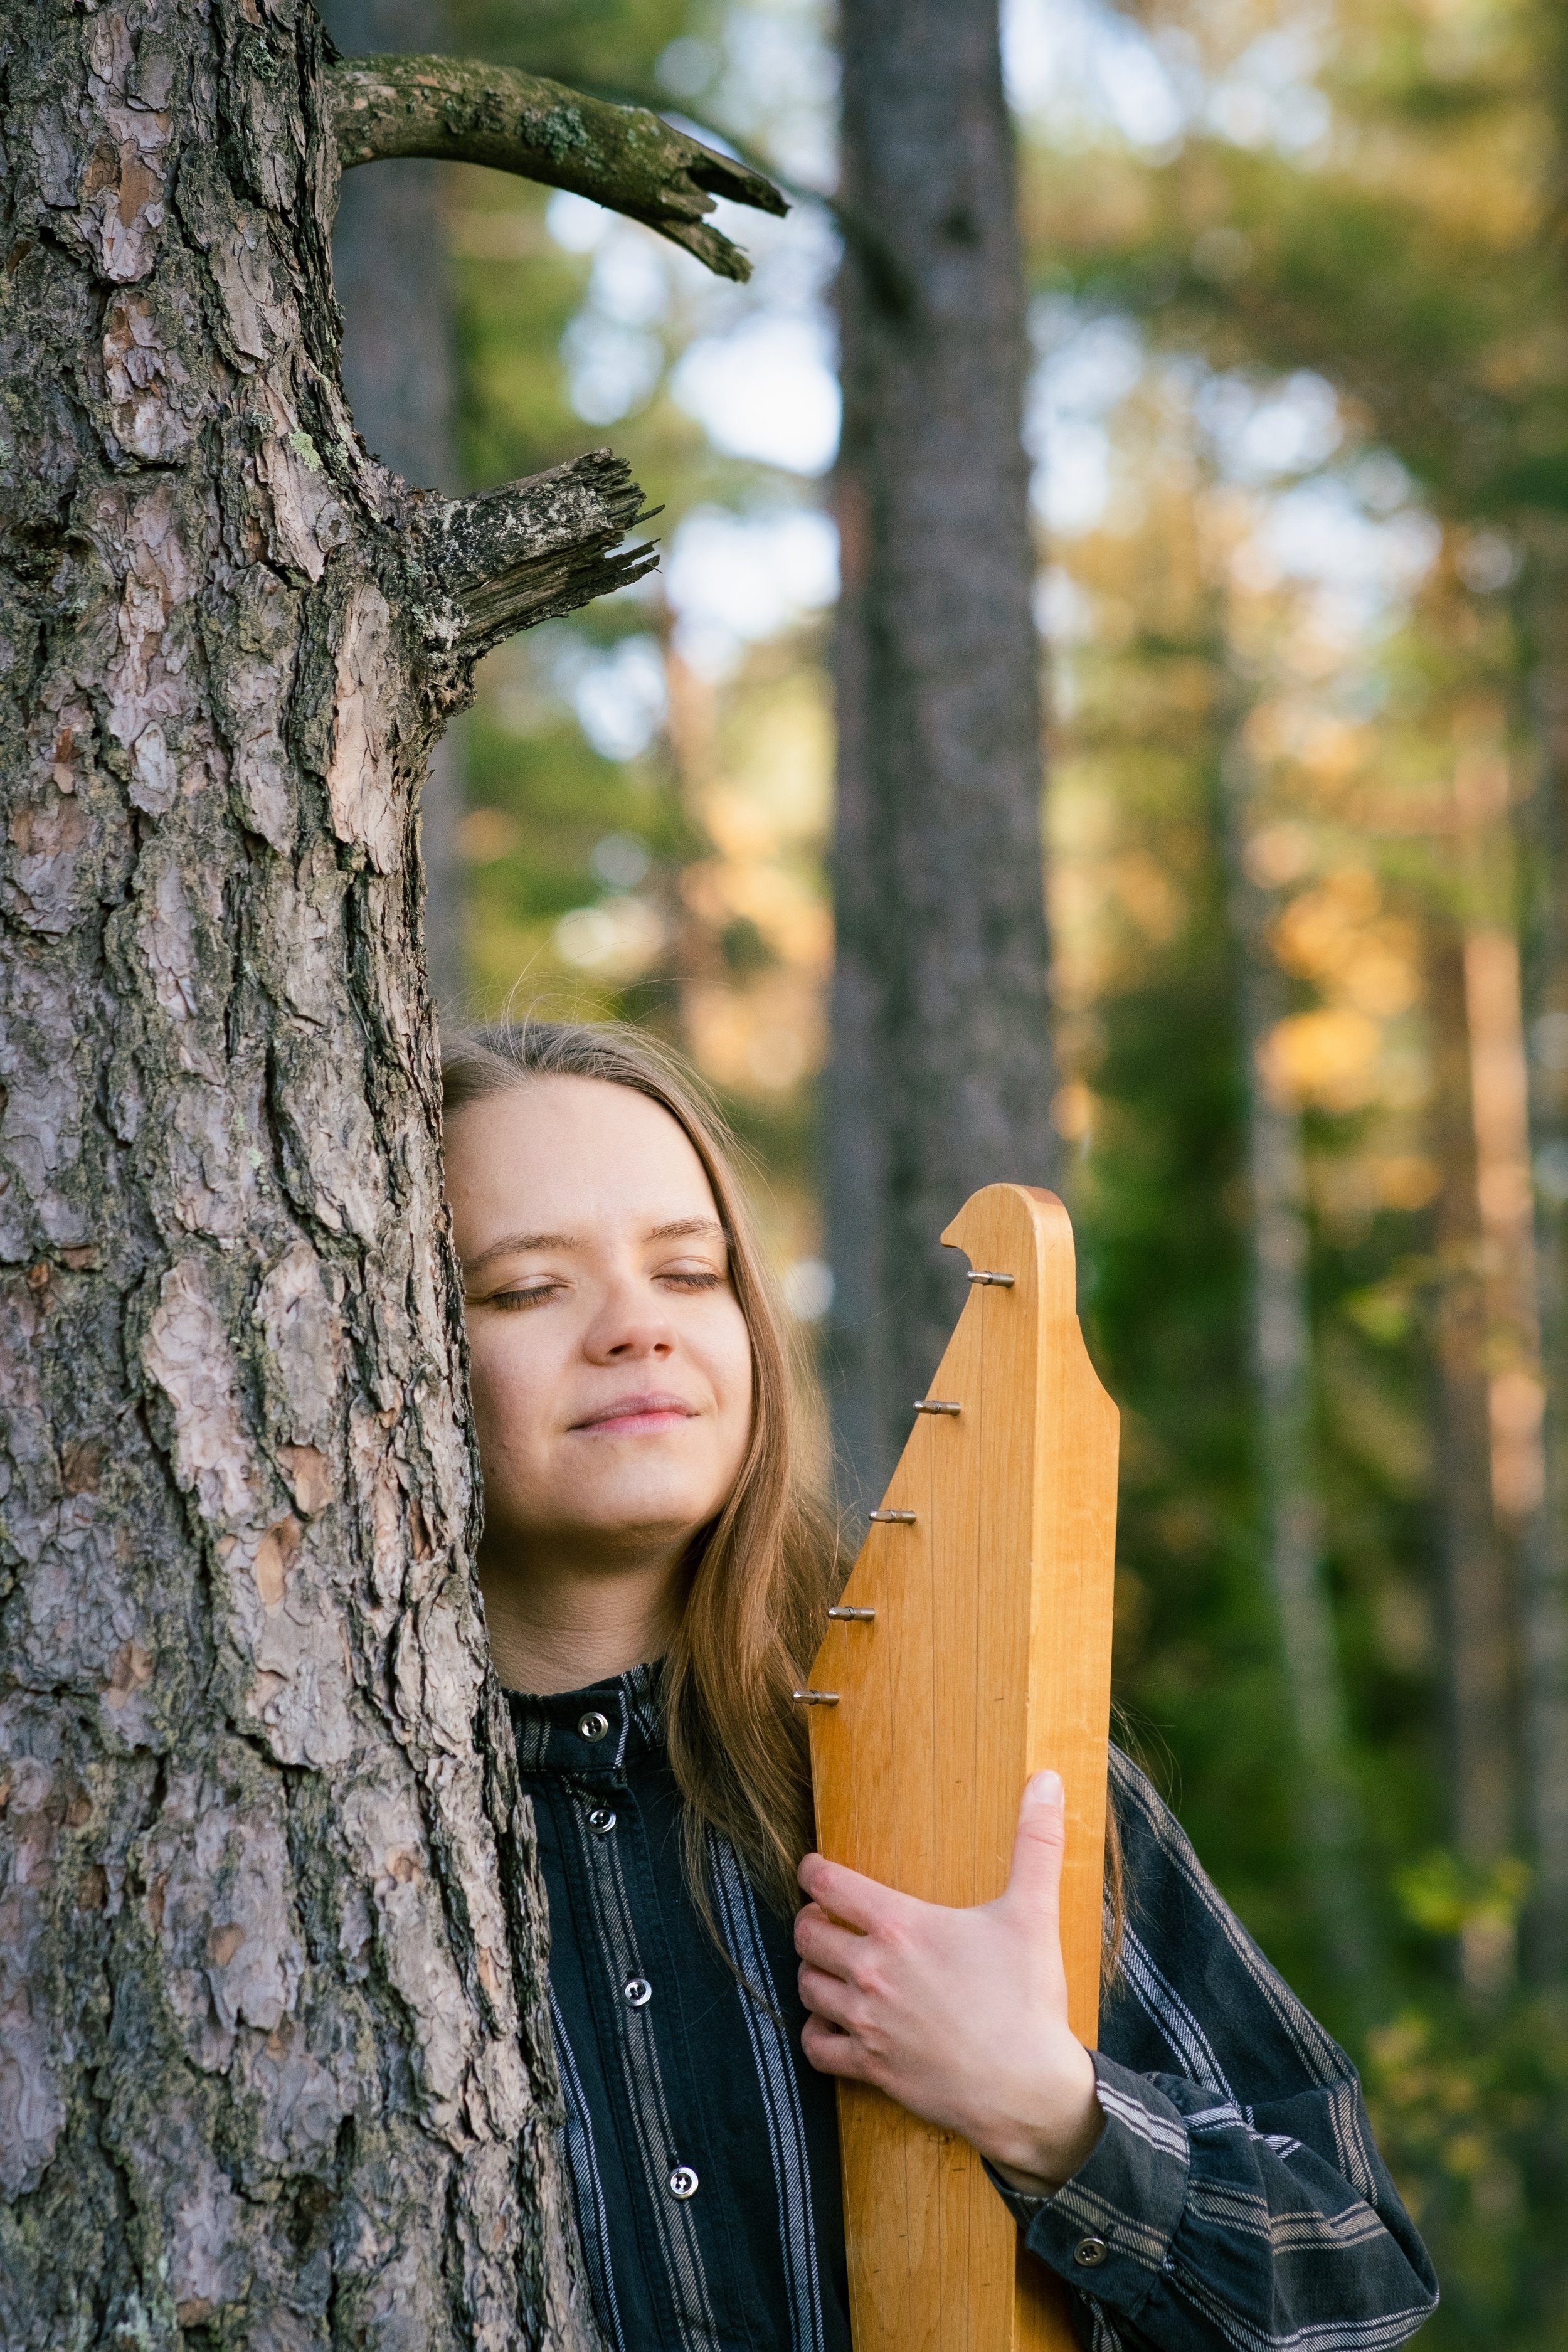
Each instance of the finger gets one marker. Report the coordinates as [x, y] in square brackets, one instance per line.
[1040, 1844]
[830, 2052]
[858, 1902]
[822, 1940]
[829, 1997]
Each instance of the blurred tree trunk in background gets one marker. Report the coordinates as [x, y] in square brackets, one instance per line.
[941, 1075]
[1282, 1357]
[1479, 1599]
[1520, 1661]
[1545, 1563]
[389, 260]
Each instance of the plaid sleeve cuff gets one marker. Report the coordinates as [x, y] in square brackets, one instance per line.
[1106, 2231]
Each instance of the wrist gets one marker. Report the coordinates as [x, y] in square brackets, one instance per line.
[1036, 2158]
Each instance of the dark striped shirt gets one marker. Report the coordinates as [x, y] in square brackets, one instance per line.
[1235, 2191]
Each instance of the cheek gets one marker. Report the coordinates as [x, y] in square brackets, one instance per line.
[733, 1376]
[509, 1383]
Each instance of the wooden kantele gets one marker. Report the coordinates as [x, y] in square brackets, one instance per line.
[972, 1647]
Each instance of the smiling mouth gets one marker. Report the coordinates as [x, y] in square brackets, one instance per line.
[634, 1416]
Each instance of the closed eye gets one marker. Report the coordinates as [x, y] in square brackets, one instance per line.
[532, 1295]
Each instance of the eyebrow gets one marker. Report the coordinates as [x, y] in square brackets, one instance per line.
[511, 1244]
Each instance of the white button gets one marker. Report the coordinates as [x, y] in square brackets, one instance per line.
[638, 1991]
[601, 1821]
[683, 2181]
[594, 1726]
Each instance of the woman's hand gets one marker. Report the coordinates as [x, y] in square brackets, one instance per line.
[961, 2016]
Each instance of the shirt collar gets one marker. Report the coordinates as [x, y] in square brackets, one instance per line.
[560, 1732]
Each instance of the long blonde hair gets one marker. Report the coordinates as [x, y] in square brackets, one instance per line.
[763, 1575]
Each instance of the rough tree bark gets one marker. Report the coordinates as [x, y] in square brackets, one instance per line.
[273, 2067]
[941, 1074]
[400, 373]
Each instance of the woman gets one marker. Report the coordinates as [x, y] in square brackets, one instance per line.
[655, 1568]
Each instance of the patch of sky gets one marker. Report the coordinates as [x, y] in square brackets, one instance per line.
[1381, 482]
[1365, 566]
[612, 357]
[576, 225]
[1087, 367]
[1064, 613]
[758, 368]
[778, 86]
[1268, 97]
[611, 368]
[767, 391]
[1349, 529]
[617, 691]
[736, 579]
[1262, 434]
[630, 283]
[1078, 71]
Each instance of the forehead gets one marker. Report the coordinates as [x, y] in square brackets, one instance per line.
[569, 1155]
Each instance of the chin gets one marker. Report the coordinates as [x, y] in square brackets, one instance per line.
[651, 1518]
[664, 1517]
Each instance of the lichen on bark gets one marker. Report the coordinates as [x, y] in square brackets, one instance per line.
[275, 2068]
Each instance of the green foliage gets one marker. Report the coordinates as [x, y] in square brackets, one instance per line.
[1469, 2111]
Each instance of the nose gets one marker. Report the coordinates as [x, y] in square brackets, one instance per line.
[631, 1327]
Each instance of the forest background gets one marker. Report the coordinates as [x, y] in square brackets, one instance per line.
[1300, 422]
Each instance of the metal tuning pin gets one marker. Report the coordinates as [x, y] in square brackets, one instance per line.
[851, 1616]
[816, 1698]
[1001, 1281]
[893, 1518]
[935, 1404]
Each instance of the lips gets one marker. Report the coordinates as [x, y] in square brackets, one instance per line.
[634, 1416]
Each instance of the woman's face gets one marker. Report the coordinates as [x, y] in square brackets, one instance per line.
[612, 1367]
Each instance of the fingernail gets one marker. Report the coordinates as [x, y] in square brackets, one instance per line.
[1045, 1788]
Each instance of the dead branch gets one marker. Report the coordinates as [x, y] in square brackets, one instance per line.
[625, 157]
[529, 551]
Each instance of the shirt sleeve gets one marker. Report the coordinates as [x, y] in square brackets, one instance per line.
[1236, 2196]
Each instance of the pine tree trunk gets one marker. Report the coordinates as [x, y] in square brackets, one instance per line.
[400, 373]
[942, 1075]
[273, 2066]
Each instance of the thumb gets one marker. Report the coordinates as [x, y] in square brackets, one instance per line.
[1040, 1843]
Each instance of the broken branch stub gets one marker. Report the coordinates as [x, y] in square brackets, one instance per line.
[625, 157]
[527, 552]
